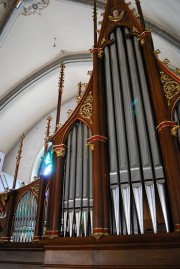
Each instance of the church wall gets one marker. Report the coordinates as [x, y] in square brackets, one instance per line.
[33, 144]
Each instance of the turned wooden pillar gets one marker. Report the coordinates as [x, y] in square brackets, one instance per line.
[101, 197]
[55, 212]
[169, 146]
[101, 211]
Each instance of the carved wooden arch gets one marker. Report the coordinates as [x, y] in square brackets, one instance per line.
[33, 187]
[87, 100]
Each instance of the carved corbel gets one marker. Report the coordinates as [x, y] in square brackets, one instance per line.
[60, 150]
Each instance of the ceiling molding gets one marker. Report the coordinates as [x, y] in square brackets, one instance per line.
[18, 89]
[23, 85]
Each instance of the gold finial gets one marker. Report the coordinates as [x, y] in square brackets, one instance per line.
[177, 72]
[19, 152]
[18, 158]
[58, 126]
[61, 78]
[166, 62]
[49, 119]
[69, 112]
[157, 52]
[61, 85]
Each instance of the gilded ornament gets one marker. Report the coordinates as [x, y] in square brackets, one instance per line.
[142, 41]
[35, 190]
[166, 62]
[103, 41]
[4, 197]
[177, 72]
[100, 54]
[90, 145]
[135, 30]
[58, 126]
[61, 152]
[170, 87]
[86, 109]
[157, 52]
[174, 130]
[116, 16]
[69, 113]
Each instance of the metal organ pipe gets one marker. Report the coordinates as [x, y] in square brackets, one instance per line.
[77, 201]
[136, 173]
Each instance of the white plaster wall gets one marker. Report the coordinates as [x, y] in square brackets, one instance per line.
[33, 144]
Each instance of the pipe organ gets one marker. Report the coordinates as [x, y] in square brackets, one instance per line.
[114, 189]
[136, 171]
[77, 195]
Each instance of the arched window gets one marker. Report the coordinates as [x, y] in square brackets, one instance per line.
[45, 168]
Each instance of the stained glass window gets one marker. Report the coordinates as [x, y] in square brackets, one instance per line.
[46, 164]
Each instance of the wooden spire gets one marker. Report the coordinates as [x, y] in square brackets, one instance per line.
[18, 158]
[61, 85]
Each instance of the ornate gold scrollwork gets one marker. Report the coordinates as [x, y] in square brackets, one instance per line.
[86, 109]
[170, 87]
[116, 16]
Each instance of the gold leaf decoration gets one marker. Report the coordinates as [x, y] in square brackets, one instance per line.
[116, 16]
[170, 87]
[86, 110]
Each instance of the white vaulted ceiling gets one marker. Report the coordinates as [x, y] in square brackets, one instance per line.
[33, 46]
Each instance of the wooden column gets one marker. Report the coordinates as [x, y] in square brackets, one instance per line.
[169, 147]
[101, 215]
[57, 191]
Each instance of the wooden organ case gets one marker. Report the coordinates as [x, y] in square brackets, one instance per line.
[114, 191]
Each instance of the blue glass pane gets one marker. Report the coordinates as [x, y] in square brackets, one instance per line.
[46, 164]
[47, 170]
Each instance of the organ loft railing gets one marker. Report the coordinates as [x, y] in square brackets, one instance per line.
[116, 159]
